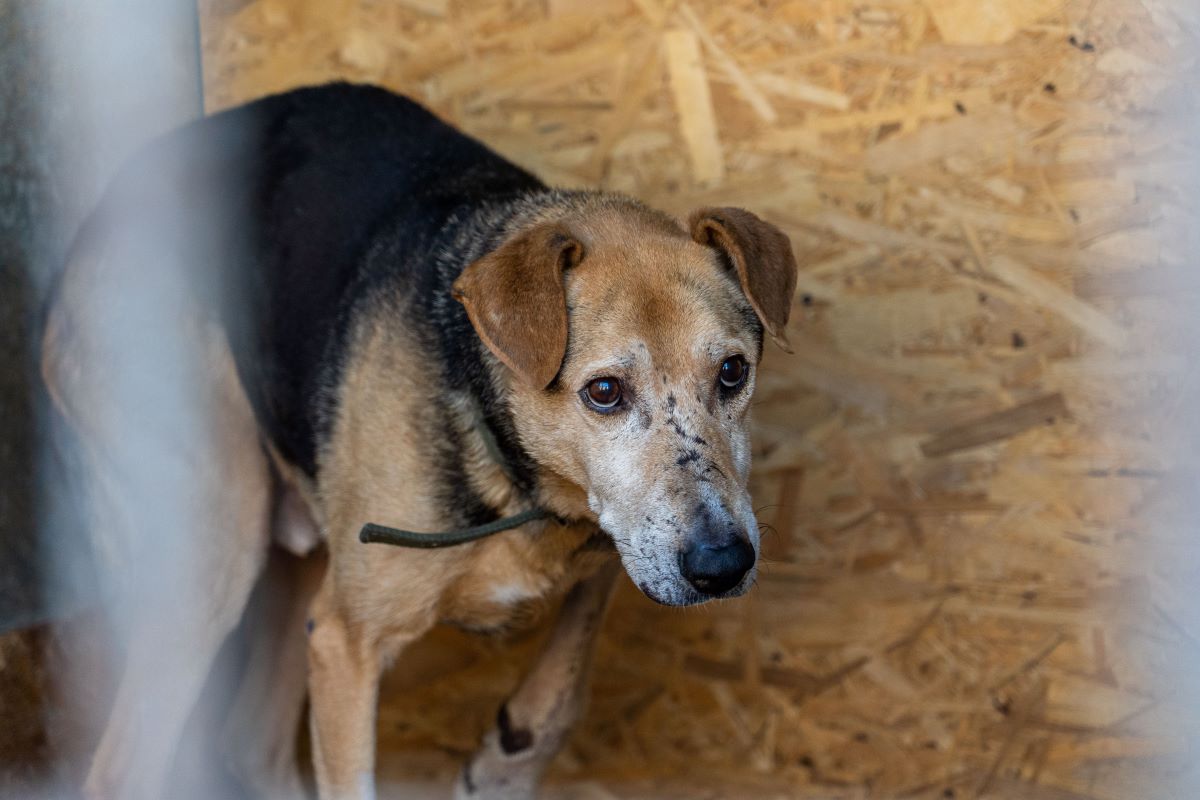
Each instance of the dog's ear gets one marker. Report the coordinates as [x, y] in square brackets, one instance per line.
[517, 302]
[761, 254]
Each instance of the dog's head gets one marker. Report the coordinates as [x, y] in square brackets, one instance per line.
[633, 346]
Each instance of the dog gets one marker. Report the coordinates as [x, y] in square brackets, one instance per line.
[392, 324]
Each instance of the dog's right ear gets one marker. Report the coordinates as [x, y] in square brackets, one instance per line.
[517, 302]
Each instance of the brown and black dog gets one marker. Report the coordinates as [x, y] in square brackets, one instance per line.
[393, 324]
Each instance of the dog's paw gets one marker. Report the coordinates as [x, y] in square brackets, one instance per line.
[475, 782]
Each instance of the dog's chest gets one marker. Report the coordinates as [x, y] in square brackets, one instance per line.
[512, 578]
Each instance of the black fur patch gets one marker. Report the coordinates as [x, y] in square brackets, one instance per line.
[468, 782]
[309, 213]
[285, 201]
[512, 740]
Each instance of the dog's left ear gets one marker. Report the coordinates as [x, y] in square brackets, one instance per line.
[517, 302]
[761, 254]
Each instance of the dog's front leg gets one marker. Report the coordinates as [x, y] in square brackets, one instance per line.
[344, 664]
[535, 721]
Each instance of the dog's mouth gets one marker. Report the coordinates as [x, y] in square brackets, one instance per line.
[688, 597]
[649, 592]
[680, 594]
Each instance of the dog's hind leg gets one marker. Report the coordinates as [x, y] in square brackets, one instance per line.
[195, 500]
[535, 721]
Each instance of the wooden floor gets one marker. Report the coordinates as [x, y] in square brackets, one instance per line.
[975, 578]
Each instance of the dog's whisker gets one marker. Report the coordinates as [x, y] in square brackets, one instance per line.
[765, 528]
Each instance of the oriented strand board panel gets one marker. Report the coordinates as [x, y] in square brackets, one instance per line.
[979, 544]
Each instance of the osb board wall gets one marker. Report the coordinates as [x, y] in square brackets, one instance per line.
[959, 463]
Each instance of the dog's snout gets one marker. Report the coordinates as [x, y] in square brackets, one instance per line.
[715, 567]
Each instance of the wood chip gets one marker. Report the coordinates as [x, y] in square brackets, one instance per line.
[1057, 300]
[994, 427]
[985, 21]
[693, 104]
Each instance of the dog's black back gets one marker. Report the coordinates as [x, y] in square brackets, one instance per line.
[278, 205]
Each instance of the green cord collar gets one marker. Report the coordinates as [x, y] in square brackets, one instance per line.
[372, 533]
[382, 534]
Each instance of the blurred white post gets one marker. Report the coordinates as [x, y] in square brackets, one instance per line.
[114, 74]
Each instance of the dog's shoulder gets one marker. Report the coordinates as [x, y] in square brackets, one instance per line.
[354, 188]
[269, 213]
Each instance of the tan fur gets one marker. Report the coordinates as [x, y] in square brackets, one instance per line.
[650, 305]
[378, 599]
[661, 312]
[539, 715]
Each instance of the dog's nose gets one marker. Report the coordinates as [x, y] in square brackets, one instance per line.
[715, 568]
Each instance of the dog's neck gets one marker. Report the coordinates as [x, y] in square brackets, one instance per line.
[491, 444]
[506, 477]
[498, 468]
[483, 457]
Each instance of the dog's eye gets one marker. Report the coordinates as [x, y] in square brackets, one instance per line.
[603, 394]
[733, 372]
